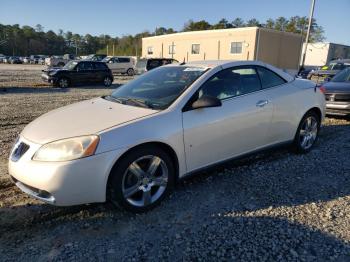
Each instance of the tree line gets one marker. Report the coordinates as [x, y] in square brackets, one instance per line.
[26, 40]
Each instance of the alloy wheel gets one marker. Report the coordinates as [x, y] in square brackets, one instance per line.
[308, 132]
[145, 181]
[63, 83]
[107, 81]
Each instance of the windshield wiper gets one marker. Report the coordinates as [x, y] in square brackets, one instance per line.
[139, 102]
[114, 99]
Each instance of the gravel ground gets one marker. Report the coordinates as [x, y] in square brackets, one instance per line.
[272, 206]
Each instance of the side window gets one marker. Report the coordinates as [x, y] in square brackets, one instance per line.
[338, 66]
[231, 82]
[269, 78]
[153, 64]
[81, 66]
[124, 60]
[100, 66]
[88, 66]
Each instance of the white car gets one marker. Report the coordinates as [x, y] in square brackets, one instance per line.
[130, 147]
[121, 64]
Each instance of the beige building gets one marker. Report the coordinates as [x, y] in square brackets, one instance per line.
[249, 43]
[319, 54]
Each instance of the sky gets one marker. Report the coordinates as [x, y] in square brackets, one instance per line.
[118, 18]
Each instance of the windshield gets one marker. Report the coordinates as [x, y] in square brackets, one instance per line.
[70, 65]
[158, 88]
[106, 59]
[342, 76]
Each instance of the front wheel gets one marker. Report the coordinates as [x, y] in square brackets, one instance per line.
[63, 82]
[142, 179]
[307, 133]
[107, 81]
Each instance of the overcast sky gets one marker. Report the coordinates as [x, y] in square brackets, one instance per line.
[118, 18]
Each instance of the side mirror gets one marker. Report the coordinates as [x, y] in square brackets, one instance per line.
[206, 101]
[327, 79]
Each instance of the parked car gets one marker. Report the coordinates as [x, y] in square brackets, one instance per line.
[121, 64]
[26, 60]
[58, 61]
[2, 57]
[337, 92]
[34, 59]
[130, 147]
[304, 72]
[78, 72]
[330, 70]
[14, 60]
[95, 57]
[41, 60]
[145, 64]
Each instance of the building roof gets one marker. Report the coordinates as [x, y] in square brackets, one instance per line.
[227, 30]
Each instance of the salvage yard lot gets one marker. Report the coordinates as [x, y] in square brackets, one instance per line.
[271, 206]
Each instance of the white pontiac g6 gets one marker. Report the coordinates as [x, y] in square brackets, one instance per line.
[131, 147]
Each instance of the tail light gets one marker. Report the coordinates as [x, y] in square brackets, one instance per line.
[322, 89]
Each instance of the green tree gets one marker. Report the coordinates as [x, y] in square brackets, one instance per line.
[238, 22]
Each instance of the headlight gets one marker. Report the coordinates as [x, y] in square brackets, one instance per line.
[67, 149]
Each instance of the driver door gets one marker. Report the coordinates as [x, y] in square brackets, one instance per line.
[238, 126]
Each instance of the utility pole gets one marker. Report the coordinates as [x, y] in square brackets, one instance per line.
[76, 48]
[308, 31]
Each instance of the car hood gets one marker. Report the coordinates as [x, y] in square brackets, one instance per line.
[337, 87]
[83, 118]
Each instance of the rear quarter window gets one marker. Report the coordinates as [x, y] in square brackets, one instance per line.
[268, 78]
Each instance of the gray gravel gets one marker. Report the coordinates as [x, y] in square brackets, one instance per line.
[271, 206]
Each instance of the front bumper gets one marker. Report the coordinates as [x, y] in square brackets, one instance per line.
[65, 183]
[338, 108]
[48, 79]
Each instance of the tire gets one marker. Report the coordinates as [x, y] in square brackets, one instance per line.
[307, 133]
[133, 188]
[63, 82]
[107, 81]
[130, 72]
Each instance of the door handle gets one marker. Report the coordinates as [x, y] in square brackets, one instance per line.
[262, 103]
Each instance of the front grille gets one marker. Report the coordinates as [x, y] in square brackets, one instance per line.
[338, 97]
[19, 151]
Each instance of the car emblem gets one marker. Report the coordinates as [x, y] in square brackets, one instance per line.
[332, 98]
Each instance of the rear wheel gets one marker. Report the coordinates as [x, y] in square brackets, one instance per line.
[63, 82]
[307, 133]
[130, 72]
[142, 179]
[107, 81]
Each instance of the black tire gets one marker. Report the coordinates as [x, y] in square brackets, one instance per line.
[130, 72]
[120, 173]
[63, 82]
[107, 81]
[298, 146]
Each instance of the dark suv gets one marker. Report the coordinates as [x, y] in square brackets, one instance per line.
[146, 64]
[78, 72]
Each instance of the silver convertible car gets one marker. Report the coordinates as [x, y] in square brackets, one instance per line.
[132, 146]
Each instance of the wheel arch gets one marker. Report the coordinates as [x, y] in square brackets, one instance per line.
[317, 111]
[314, 109]
[165, 147]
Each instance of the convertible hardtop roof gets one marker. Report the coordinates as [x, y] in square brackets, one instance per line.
[230, 63]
